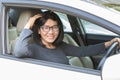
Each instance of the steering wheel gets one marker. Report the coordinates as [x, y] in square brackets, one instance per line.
[111, 50]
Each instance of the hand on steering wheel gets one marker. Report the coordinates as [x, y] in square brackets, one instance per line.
[111, 50]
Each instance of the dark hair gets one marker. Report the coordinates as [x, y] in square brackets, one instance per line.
[42, 20]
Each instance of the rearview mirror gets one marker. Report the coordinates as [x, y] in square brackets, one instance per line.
[111, 68]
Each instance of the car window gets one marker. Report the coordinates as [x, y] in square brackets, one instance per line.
[91, 28]
[65, 21]
[14, 31]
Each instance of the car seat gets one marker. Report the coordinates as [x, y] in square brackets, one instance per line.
[76, 61]
[81, 62]
[23, 18]
[12, 33]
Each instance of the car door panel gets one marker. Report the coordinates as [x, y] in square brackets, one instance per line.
[30, 69]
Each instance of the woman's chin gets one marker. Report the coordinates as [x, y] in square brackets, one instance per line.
[51, 41]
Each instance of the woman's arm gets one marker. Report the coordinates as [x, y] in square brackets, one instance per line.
[83, 51]
[22, 44]
[89, 50]
[31, 21]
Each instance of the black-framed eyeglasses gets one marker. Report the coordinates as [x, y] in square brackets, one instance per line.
[47, 28]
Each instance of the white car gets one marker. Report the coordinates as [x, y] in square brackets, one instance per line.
[84, 24]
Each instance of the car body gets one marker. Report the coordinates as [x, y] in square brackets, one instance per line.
[73, 15]
[106, 72]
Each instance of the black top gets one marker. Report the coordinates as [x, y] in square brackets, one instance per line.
[37, 51]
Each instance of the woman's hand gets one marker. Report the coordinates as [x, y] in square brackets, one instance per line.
[31, 21]
[109, 43]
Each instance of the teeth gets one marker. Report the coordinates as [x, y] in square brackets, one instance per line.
[51, 37]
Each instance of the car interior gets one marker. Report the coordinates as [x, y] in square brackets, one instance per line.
[19, 17]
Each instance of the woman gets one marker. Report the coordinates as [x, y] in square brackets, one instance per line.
[47, 31]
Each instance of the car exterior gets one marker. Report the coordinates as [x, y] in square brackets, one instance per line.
[106, 72]
[12, 68]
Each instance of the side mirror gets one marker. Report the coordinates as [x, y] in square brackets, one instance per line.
[111, 68]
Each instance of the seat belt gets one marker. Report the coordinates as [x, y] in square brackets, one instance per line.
[79, 38]
[75, 30]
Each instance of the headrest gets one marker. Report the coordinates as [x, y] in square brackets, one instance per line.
[24, 17]
[68, 39]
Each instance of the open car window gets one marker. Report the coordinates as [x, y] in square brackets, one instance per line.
[18, 18]
[16, 24]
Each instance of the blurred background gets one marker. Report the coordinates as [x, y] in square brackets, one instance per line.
[112, 4]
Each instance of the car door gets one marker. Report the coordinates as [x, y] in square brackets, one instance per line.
[13, 68]
[20, 69]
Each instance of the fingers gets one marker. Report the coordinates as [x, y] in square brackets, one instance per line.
[31, 21]
[37, 16]
[116, 40]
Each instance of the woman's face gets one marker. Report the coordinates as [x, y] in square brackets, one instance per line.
[49, 31]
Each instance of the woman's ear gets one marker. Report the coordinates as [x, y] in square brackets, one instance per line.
[39, 31]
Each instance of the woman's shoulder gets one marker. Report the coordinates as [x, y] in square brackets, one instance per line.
[63, 44]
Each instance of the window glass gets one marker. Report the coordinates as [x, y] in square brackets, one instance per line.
[91, 28]
[65, 21]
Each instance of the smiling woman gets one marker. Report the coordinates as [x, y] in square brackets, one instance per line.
[47, 30]
[82, 62]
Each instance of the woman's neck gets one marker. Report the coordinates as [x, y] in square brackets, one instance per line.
[49, 45]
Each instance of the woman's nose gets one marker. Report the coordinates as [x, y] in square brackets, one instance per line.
[51, 30]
